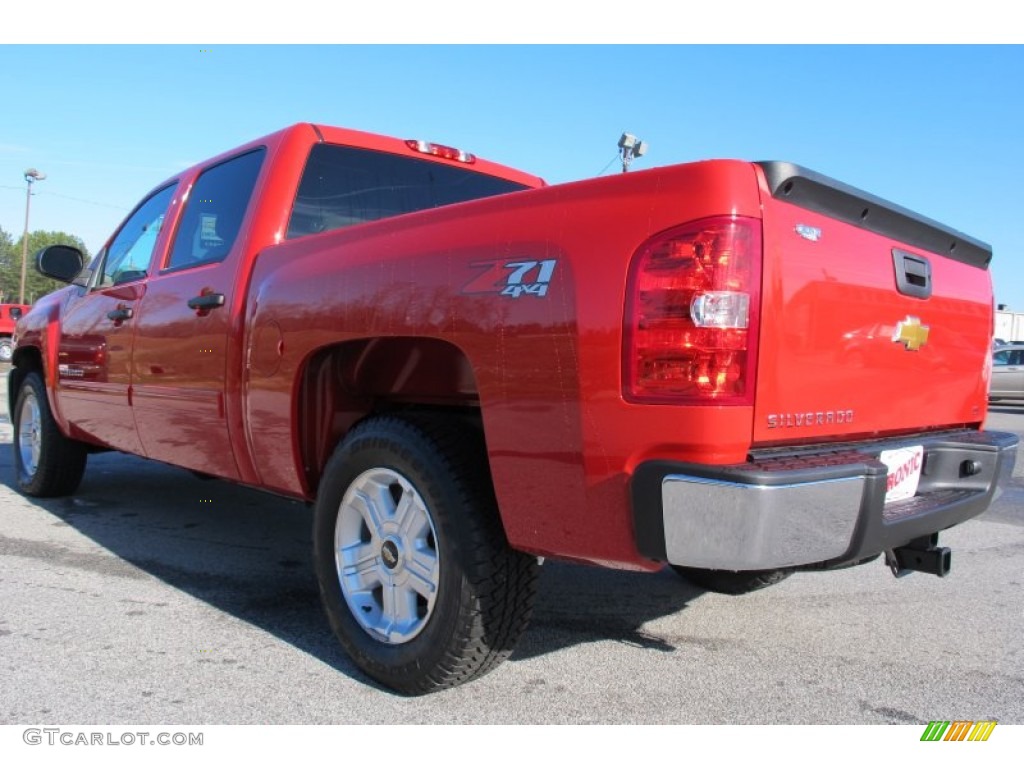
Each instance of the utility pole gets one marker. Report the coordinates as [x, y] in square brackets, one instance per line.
[31, 175]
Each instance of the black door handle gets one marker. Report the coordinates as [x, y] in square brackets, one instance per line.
[206, 301]
[120, 314]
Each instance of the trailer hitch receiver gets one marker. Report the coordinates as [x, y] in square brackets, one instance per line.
[923, 554]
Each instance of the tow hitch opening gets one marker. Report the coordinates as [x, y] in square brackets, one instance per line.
[922, 555]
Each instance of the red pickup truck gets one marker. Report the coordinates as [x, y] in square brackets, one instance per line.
[9, 316]
[737, 369]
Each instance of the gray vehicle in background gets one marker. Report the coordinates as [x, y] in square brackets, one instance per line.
[1007, 373]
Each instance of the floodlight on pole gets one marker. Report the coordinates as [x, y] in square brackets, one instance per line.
[31, 175]
[630, 147]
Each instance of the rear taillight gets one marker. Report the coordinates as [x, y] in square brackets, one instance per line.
[692, 303]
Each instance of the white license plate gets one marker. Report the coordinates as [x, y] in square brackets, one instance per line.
[904, 472]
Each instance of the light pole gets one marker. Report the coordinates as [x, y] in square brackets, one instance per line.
[31, 175]
[630, 148]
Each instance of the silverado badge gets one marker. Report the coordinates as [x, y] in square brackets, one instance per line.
[910, 333]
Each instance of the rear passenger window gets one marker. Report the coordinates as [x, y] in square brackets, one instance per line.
[1008, 357]
[213, 214]
[342, 186]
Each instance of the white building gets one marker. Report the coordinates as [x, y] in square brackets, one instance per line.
[1009, 325]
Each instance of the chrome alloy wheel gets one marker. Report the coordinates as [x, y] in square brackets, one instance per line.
[30, 439]
[386, 556]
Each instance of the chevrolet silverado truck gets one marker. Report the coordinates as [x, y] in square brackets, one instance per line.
[736, 369]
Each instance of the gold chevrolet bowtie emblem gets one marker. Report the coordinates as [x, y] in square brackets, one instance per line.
[911, 334]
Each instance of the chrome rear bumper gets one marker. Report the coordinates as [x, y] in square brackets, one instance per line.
[816, 506]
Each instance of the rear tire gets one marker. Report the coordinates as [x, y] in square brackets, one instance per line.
[732, 582]
[6, 350]
[416, 576]
[46, 463]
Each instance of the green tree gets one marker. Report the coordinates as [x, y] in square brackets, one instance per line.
[6, 260]
[10, 264]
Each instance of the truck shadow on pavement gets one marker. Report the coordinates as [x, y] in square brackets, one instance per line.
[580, 604]
[248, 554]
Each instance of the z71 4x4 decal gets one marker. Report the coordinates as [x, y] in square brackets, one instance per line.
[513, 278]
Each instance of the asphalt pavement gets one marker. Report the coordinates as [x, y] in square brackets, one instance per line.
[153, 596]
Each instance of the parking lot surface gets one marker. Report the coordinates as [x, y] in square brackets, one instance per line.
[153, 596]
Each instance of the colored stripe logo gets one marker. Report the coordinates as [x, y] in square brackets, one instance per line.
[958, 730]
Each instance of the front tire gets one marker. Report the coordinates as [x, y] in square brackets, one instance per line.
[6, 350]
[46, 463]
[416, 576]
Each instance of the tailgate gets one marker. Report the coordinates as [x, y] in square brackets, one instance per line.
[875, 321]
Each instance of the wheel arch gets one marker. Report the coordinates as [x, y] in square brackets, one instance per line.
[25, 360]
[343, 384]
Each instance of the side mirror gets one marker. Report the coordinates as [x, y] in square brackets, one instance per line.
[61, 262]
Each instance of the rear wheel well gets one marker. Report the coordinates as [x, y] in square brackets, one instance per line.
[344, 384]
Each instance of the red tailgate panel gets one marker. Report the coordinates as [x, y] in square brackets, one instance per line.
[829, 365]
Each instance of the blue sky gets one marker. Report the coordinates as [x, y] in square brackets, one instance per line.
[936, 129]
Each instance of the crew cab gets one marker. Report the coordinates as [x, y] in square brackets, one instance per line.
[737, 369]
